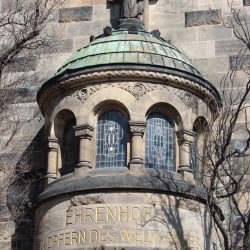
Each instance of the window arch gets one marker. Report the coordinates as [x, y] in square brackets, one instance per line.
[159, 142]
[111, 140]
[67, 158]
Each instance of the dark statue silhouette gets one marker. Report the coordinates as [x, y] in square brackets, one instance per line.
[131, 8]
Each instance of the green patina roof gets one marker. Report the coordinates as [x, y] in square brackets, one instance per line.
[122, 48]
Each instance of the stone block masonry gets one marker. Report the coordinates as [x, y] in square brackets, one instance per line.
[76, 14]
[23, 64]
[244, 62]
[202, 17]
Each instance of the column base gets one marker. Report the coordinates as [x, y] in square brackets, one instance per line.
[137, 166]
[187, 173]
[49, 178]
[82, 167]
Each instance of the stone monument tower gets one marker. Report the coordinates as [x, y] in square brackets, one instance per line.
[120, 118]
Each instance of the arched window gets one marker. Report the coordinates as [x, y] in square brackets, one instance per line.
[159, 142]
[69, 148]
[111, 148]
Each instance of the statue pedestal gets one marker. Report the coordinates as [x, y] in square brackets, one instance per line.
[131, 24]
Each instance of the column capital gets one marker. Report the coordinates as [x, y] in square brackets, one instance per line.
[185, 136]
[52, 143]
[137, 127]
[84, 131]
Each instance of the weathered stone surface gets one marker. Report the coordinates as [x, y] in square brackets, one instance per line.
[80, 42]
[23, 64]
[243, 62]
[4, 213]
[197, 50]
[202, 17]
[22, 95]
[214, 33]
[80, 29]
[246, 2]
[188, 34]
[120, 214]
[214, 78]
[167, 20]
[169, 6]
[228, 47]
[238, 144]
[80, 3]
[76, 14]
[212, 65]
[60, 46]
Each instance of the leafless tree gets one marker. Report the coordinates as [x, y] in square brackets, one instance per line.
[226, 165]
[24, 35]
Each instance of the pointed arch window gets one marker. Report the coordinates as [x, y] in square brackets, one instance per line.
[159, 142]
[112, 130]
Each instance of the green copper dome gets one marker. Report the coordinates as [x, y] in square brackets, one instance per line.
[122, 48]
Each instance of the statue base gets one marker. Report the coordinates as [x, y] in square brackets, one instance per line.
[131, 24]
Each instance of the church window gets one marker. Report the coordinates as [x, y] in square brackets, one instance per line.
[112, 132]
[159, 142]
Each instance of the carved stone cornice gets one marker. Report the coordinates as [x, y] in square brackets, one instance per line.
[53, 143]
[137, 127]
[185, 136]
[51, 90]
[84, 131]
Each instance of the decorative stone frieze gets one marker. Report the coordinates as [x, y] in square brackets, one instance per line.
[137, 89]
[191, 101]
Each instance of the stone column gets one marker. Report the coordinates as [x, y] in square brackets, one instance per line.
[185, 139]
[137, 130]
[52, 161]
[85, 134]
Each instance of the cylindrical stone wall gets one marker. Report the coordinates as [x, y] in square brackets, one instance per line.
[120, 220]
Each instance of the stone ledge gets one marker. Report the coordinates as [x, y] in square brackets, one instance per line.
[202, 17]
[76, 14]
[170, 183]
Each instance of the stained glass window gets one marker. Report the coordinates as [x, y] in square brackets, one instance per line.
[111, 150]
[159, 142]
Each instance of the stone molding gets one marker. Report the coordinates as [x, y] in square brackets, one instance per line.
[156, 78]
[53, 143]
[84, 131]
[137, 127]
